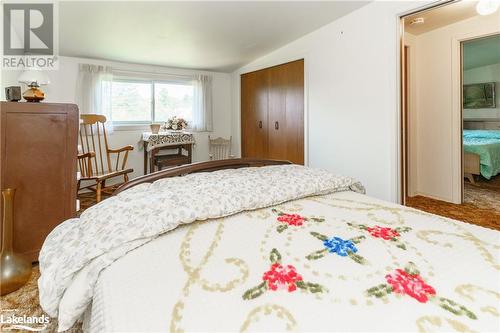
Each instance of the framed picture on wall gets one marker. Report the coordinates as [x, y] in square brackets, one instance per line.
[479, 95]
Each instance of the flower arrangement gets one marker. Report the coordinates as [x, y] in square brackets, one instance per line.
[176, 124]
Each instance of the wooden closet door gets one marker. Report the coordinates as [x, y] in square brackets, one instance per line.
[286, 112]
[254, 114]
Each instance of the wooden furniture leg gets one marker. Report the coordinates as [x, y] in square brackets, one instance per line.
[145, 157]
[189, 149]
[152, 159]
[98, 192]
[470, 177]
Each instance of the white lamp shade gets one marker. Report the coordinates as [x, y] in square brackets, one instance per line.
[31, 76]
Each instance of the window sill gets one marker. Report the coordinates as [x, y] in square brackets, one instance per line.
[131, 127]
[146, 128]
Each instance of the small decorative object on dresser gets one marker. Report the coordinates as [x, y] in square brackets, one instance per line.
[15, 270]
[13, 94]
[34, 79]
[176, 124]
[155, 128]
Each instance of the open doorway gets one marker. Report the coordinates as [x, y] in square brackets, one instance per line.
[481, 121]
[434, 154]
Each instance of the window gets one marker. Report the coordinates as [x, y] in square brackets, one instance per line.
[136, 101]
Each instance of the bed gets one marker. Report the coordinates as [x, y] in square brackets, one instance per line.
[481, 153]
[266, 246]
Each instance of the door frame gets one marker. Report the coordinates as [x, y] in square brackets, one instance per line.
[457, 110]
[402, 102]
[457, 62]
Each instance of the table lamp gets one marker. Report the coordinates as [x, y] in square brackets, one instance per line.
[34, 79]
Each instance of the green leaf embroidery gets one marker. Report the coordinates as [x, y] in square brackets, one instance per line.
[319, 236]
[357, 240]
[412, 269]
[282, 228]
[318, 254]
[454, 307]
[255, 291]
[275, 211]
[357, 258]
[275, 256]
[379, 291]
[400, 245]
[358, 226]
[402, 229]
[315, 219]
[311, 287]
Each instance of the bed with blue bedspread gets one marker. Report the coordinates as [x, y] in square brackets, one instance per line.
[486, 144]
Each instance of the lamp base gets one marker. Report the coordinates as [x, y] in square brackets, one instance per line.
[33, 94]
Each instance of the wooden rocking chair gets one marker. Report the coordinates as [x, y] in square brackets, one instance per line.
[96, 162]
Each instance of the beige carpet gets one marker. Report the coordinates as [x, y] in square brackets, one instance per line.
[25, 302]
[485, 194]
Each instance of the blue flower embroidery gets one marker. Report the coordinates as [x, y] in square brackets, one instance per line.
[340, 246]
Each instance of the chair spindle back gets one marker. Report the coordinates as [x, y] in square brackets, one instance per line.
[219, 148]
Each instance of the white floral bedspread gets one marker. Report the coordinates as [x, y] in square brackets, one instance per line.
[76, 252]
[340, 262]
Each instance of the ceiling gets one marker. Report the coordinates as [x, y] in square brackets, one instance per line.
[219, 36]
[436, 18]
[481, 52]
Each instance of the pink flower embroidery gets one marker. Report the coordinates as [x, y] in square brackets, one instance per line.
[280, 275]
[291, 219]
[382, 232]
[411, 285]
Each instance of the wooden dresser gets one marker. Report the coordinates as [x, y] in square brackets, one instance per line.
[38, 150]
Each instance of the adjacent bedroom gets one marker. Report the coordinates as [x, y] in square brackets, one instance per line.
[265, 166]
[481, 126]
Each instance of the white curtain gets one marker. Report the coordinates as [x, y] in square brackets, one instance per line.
[93, 91]
[202, 103]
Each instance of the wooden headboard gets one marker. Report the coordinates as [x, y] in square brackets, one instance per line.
[199, 167]
[480, 124]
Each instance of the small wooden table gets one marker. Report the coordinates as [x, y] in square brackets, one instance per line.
[170, 140]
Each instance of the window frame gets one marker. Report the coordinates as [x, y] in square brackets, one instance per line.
[152, 82]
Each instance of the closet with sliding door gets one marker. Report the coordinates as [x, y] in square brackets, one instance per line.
[272, 113]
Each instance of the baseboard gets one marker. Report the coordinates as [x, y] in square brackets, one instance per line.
[435, 197]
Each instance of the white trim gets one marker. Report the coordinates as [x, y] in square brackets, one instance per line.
[456, 105]
[400, 38]
[131, 127]
[432, 196]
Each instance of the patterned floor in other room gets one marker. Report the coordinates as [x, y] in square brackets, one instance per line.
[481, 204]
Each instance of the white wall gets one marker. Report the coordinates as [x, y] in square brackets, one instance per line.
[62, 89]
[483, 74]
[437, 95]
[351, 78]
